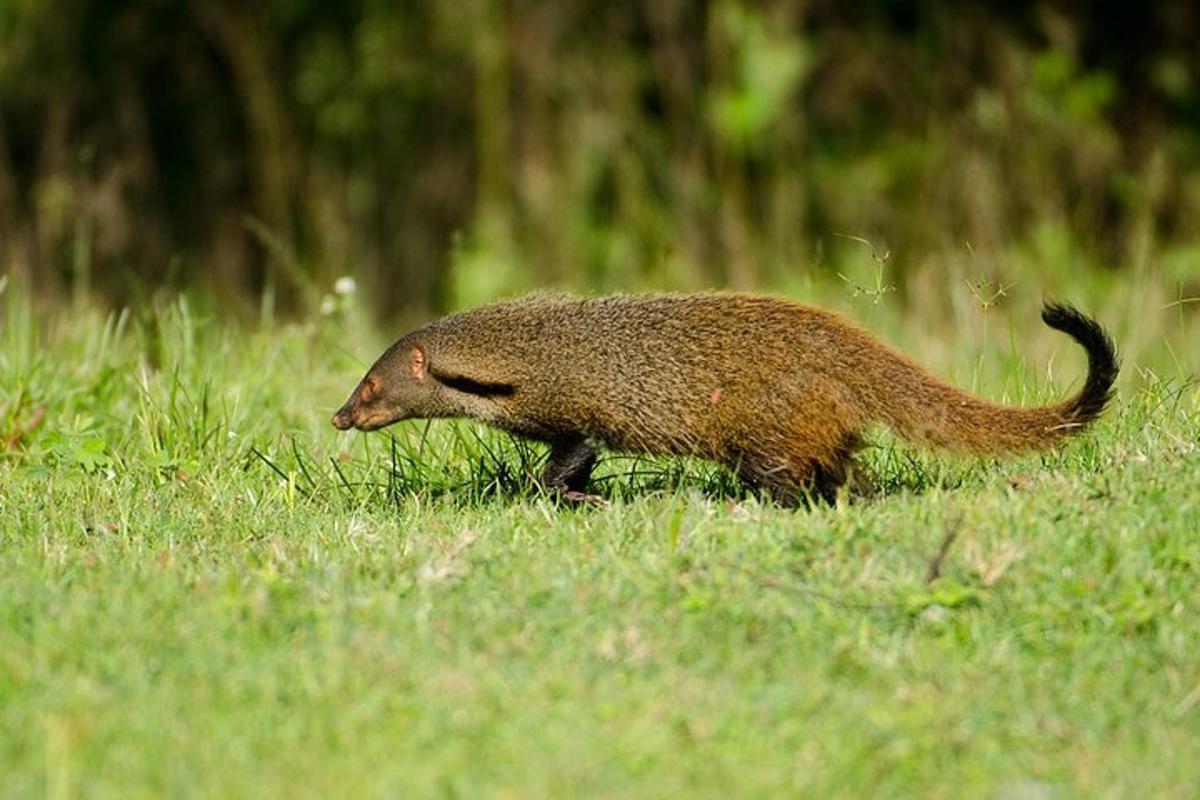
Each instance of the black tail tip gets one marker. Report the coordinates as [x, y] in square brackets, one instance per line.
[1101, 354]
[1065, 317]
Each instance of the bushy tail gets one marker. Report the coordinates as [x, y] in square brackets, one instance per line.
[926, 410]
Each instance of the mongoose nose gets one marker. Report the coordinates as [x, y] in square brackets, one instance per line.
[341, 421]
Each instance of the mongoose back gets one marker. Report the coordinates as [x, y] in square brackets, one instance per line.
[778, 391]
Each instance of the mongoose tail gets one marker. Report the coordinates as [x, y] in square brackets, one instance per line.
[923, 409]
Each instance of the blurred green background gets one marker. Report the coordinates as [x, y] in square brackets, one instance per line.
[445, 152]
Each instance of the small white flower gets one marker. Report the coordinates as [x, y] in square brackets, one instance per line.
[344, 285]
[328, 305]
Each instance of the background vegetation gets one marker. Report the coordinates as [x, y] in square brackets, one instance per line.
[444, 152]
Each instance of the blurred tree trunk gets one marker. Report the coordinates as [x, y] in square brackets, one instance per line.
[492, 124]
[52, 198]
[15, 255]
[678, 62]
[272, 157]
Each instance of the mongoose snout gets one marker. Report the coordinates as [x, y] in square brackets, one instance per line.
[369, 407]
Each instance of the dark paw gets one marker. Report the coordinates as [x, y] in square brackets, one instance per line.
[576, 496]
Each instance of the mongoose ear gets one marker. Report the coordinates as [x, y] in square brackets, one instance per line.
[418, 364]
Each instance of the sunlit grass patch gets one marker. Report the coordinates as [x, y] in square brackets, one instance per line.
[205, 589]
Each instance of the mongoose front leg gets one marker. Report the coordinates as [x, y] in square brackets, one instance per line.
[569, 467]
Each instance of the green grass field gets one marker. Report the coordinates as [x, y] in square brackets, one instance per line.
[205, 590]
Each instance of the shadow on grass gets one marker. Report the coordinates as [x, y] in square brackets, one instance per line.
[473, 467]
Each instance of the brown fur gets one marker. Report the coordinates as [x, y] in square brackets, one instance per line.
[779, 391]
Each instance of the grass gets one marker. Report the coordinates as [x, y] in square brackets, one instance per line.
[204, 590]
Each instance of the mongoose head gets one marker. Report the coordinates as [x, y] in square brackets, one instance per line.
[397, 387]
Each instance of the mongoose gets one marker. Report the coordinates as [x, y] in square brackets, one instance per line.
[778, 391]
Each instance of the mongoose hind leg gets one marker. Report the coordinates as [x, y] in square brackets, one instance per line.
[568, 468]
[787, 482]
[802, 476]
[831, 470]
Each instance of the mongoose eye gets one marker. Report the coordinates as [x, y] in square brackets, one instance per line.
[368, 391]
